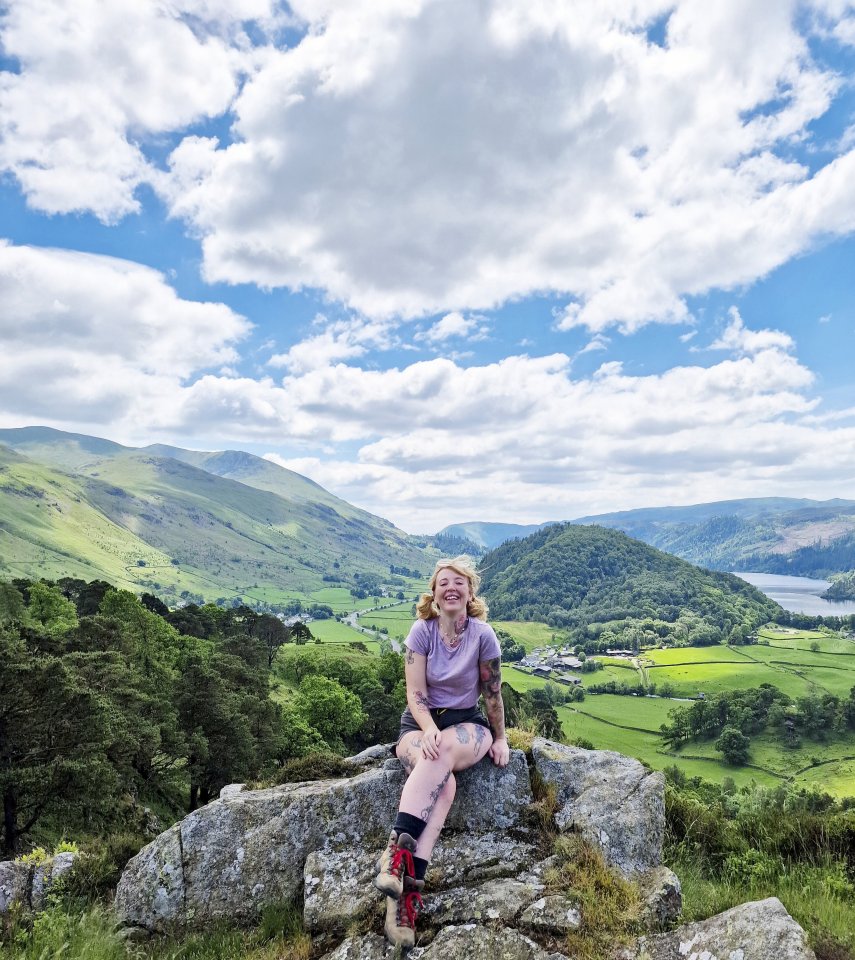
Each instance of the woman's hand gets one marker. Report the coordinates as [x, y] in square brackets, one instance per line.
[500, 752]
[431, 740]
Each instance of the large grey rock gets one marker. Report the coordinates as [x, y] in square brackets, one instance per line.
[662, 898]
[337, 884]
[375, 754]
[150, 893]
[611, 800]
[471, 942]
[498, 901]
[337, 888]
[368, 947]
[467, 858]
[553, 914]
[762, 930]
[28, 885]
[247, 850]
[14, 885]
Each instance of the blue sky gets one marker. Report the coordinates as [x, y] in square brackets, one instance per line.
[508, 260]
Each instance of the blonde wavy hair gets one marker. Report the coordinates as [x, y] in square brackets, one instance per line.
[427, 608]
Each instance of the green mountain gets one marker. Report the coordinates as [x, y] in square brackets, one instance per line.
[597, 581]
[169, 520]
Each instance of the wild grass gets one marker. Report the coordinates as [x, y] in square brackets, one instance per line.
[92, 934]
[818, 897]
[610, 906]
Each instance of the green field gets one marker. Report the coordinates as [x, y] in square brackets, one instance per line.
[689, 680]
[648, 748]
[673, 656]
[397, 620]
[332, 631]
[836, 778]
[531, 635]
[630, 724]
[645, 713]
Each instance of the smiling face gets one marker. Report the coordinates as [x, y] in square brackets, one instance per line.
[451, 592]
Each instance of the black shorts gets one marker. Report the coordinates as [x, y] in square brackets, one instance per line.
[444, 717]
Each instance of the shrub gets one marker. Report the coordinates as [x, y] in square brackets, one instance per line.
[313, 766]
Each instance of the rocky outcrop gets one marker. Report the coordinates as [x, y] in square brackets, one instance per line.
[752, 931]
[250, 848]
[491, 880]
[28, 885]
[465, 942]
[612, 800]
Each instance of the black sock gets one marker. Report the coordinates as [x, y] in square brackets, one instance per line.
[420, 867]
[407, 823]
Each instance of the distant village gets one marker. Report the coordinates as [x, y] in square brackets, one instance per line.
[553, 663]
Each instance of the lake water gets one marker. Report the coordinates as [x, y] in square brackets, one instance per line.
[798, 594]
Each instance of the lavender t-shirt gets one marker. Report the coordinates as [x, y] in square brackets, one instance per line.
[453, 677]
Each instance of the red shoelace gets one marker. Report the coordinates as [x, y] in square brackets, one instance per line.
[402, 860]
[407, 910]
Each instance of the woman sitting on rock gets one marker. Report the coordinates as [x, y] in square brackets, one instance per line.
[452, 656]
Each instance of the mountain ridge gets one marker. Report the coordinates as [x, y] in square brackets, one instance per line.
[164, 524]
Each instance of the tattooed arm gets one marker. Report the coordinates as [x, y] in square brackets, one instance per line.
[415, 672]
[491, 690]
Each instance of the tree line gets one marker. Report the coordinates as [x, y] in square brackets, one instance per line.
[732, 717]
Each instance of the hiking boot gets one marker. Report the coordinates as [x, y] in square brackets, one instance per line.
[395, 862]
[401, 914]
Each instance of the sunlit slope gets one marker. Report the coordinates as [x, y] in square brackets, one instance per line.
[264, 475]
[50, 527]
[229, 537]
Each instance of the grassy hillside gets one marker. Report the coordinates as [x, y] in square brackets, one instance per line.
[600, 584]
[91, 508]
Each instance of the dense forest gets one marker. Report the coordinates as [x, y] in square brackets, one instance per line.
[842, 587]
[608, 589]
[111, 703]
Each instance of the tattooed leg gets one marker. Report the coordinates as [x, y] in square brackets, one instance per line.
[431, 786]
[434, 796]
[461, 733]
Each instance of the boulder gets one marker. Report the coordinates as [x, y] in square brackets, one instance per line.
[662, 898]
[611, 800]
[467, 858]
[761, 930]
[370, 755]
[14, 884]
[467, 942]
[497, 901]
[248, 849]
[28, 885]
[368, 947]
[338, 890]
[552, 914]
[473, 942]
[46, 874]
